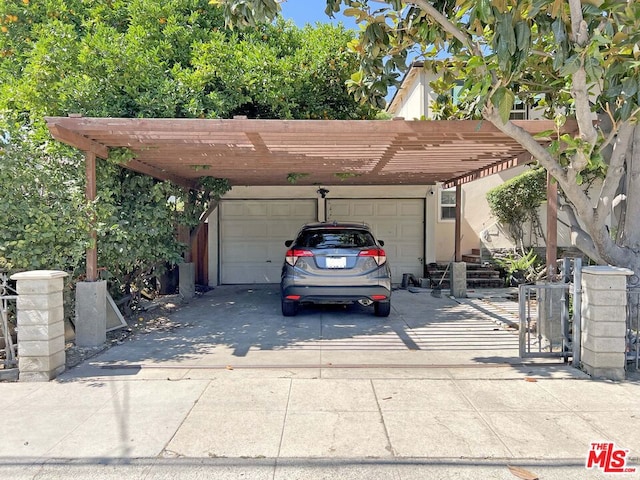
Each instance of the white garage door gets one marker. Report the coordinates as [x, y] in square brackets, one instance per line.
[252, 236]
[398, 222]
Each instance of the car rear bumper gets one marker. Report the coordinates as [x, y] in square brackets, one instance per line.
[334, 294]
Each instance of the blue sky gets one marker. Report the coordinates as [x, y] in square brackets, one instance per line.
[312, 11]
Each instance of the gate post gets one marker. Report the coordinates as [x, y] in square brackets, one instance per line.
[91, 313]
[604, 326]
[187, 280]
[41, 355]
[459, 279]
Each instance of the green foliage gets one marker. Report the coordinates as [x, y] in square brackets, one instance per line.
[138, 58]
[43, 214]
[210, 189]
[121, 155]
[516, 201]
[515, 262]
[519, 268]
[136, 226]
[342, 176]
[293, 177]
[147, 58]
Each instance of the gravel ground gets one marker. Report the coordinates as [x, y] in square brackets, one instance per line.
[151, 317]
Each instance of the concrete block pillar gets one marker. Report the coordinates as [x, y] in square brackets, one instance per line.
[41, 355]
[604, 301]
[187, 280]
[91, 313]
[459, 279]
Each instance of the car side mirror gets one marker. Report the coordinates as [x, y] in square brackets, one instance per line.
[381, 243]
[288, 243]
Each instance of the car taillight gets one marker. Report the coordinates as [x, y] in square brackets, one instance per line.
[377, 254]
[292, 255]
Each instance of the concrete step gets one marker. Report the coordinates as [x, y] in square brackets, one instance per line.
[471, 258]
[478, 276]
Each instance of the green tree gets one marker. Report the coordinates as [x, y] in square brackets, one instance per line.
[43, 211]
[577, 58]
[138, 58]
[516, 202]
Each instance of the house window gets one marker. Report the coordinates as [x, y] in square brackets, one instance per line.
[519, 111]
[448, 204]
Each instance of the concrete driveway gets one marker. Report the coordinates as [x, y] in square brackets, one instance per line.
[241, 328]
[229, 389]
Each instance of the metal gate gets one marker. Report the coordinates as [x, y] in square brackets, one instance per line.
[550, 316]
[7, 294]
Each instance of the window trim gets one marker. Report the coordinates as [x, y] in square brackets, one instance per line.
[441, 218]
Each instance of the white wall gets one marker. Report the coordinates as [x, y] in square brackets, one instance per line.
[418, 98]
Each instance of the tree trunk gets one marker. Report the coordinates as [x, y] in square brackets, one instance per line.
[630, 234]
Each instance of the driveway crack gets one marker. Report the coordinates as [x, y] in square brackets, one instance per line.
[389, 446]
[284, 424]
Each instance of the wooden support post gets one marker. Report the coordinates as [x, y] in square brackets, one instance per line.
[184, 233]
[458, 227]
[552, 227]
[90, 195]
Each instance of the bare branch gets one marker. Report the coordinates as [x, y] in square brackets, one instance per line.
[579, 87]
[579, 237]
[527, 141]
[615, 170]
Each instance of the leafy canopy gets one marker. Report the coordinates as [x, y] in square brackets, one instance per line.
[500, 49]
[138, 58]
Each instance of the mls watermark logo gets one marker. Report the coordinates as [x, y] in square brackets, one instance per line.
[608, 458]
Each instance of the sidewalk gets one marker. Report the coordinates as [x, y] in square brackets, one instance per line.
[236, 391]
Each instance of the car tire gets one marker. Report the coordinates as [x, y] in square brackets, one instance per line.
[382, 309]
[289, 309]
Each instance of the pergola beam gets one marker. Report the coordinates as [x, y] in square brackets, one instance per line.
[159, 174]
[257, 152]
[78, 141]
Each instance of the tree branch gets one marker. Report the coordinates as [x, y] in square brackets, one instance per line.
[579, 87]
[579, 237]
[566, 180]
[212, 206]
[446, 25]
[615, 170]
[525, 139]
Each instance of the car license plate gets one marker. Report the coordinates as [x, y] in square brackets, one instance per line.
[336, 262]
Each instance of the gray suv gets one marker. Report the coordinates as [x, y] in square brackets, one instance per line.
[335, 263]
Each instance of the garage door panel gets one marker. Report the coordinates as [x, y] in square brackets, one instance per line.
[243, 230]
[397, 222]
[252, 236]
[408, 209]
[258, 274]
[386, 209]
[362, 211]
[283, 230]
[233, 209]
[251, 251]
[305, 210]
[255, 210]
[410, 230]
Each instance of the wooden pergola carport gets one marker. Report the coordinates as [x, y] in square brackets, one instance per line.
[308, 152]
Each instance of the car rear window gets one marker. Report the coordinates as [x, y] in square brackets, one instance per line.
[335, 238]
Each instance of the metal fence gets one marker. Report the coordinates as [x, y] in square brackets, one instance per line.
[550, 316]
[7, 297]
[633, 322]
